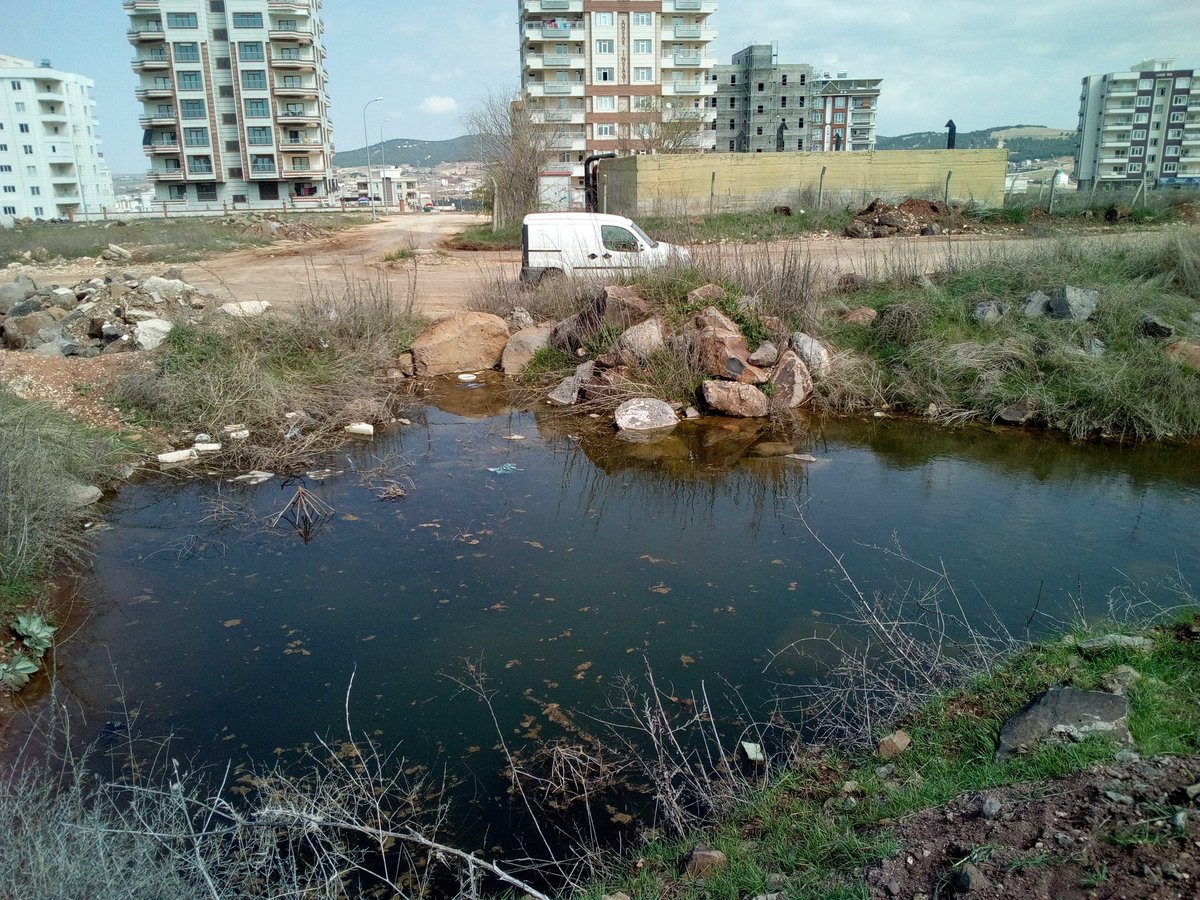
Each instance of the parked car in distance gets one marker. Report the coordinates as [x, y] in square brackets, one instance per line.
[578, 243]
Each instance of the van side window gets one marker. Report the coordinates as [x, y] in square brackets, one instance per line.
[617, 238]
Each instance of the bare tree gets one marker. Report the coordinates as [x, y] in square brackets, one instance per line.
[515, 142]
[658, 126]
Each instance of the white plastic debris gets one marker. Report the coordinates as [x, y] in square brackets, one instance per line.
[207, 447]
[178, 456]
[252, 478]
[466, 376]
[229, 429]
[754, 753]
[239, 435]
[361, 429]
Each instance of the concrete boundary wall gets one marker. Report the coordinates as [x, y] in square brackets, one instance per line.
[694, 184]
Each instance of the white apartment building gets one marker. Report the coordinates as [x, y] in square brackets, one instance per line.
[1139, 127]
[51, 165]
[629, 76]
[234, 108]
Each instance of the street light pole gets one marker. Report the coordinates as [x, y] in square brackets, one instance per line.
[383, 166]
[367, 147]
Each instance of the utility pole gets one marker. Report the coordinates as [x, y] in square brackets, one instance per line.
[367, 146]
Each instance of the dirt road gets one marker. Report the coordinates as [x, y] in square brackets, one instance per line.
[441, 281]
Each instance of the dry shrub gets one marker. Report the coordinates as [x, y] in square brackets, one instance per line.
[553, 299]
[902, 324]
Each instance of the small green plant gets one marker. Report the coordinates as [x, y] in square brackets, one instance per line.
[15, 673]
[1095, 876]
[403, 254]
[36, 633]
[603, 340]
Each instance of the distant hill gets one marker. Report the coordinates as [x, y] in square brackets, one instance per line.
[1021, 141]
[410, 152]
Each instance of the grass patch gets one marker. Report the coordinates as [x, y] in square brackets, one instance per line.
[746, 227]
[295, 382]
[152, 240]
[799, 826]
[1101, 377]
[482, 237]
[403, 254]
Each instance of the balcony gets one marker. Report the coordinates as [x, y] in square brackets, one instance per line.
[559, 116]
[161, 145]
[296, 90]
[304, 172]
[53, 115]
[303, 35]
[683, 59]
[289, 6]
[707, 6]
[173, 174]
[145, 33]
[557, 33]
[554, 5]
[157, 118]
[152, 62]
[297, 116]
[158, 92]
[136, 6]
[300, 63]
[684, 87]
[301, 145]
[554, 61]
[1118, 124]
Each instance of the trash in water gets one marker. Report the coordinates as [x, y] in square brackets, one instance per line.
[466, 376]
[506, 469]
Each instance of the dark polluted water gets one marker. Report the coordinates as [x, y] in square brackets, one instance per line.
[560, 562]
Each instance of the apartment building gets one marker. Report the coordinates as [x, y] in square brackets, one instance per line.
[628, 76]
[764, 106]
[51, 164]
[234, 107]
[1139, 127]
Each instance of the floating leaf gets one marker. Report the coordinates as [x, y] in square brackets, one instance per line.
[535, 545]
[661, 588]
[232, 623]
[499, 607]
[686, 660]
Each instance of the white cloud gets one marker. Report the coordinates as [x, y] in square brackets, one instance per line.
[439, 106]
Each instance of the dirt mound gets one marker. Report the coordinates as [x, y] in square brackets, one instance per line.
[271, 226]
[911, 217]
[1126, 829]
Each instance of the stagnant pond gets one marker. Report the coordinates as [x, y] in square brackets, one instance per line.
[559, 561]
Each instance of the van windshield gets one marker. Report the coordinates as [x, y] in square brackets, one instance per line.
[650, 242]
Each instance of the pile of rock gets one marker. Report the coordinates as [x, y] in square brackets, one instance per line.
[743, 381]
[912, 217]
[270, 225]
[101, 315]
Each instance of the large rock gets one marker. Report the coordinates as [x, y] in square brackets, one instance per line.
[622, 306]
[814, 352]
[568, 390]
[1185, 352]
[711, 317]
[151, 332]
[642, 340]
[574, 333]
[11, 295]
[708, 293]
[246, 309]
[522, 346]
[765, 356]
[518, 318]
[645, 416]
[988, 312]
[1036, 305]
[792, 381]
[733, 399]
[1064, 712]
[721, 349]
[21, 332]
[1073, 303]
[164, 289]
[703, 861]
[463, 342]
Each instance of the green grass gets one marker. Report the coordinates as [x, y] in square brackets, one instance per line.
[747, 227]
[796, 826]
[931, 352]
[402, 254]
[482, 237]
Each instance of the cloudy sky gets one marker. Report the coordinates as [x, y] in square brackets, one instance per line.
[981, 62]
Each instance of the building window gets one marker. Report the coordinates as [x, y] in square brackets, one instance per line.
[760, 87]
[758, 130]
[258, 136]
[28, 149]
[1174, 134]
[257, 109]
[733, 102]
[1170, 168]
[5, 168]
[731, 147]
[604, 47]
[1171, 151]
[189, 81]
[733, 124]
[3, 148]
[195, 137]
[224, 63]
[783, 102]
[254, 80]
[1158, 109]
[759, 109]
[10, 210]
[191, 109]
[606, 131]
[642, 19]
[839, 118]
[1179, 100]
[1134, 151]
[216, 5]
[176, 192]
[602, 19]
[1144, 84]
[247, 20]
[200, 165]
[10, 189]
[1183, 82]
[15, 85]
[181, 20]
[220, 34]
[225, 91]
[40, 211]
[187, 52]
[206, 191]
[604, 75]
[262, 164]
[643, 46]
[1143, 101]
[1176, 118]
[604, 104]
[800, 143]
[250, 51]
[643, 73]
[35, 191]
[23, 128]
[1133, 168]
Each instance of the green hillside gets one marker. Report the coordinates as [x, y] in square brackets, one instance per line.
[1029, 142]
[409, 152]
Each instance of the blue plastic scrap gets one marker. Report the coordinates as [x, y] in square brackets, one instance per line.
[506, 469]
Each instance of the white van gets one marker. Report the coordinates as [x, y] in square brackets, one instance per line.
[578, 243]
